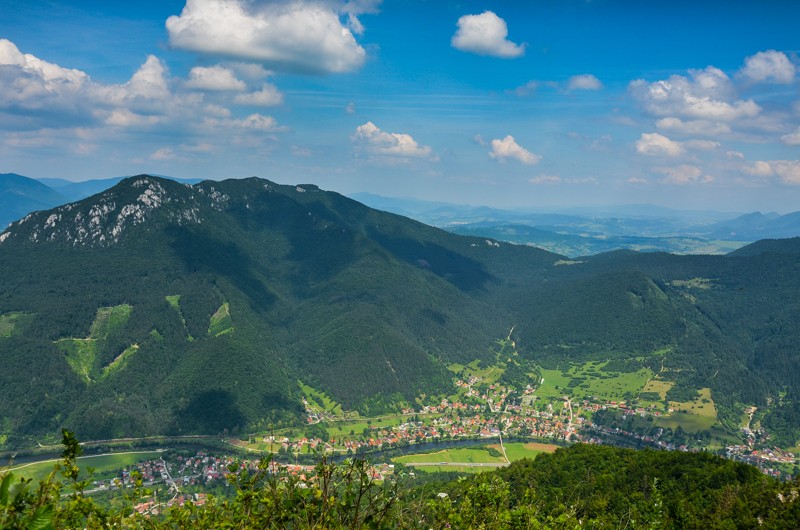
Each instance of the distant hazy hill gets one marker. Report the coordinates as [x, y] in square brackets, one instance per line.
[21, 195]
[585, 231]
[573, 232]
[758, 226]
[158, 307]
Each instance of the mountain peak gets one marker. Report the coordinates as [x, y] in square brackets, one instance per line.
[103, 219]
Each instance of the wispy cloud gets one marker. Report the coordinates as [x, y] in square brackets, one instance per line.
[584, 82]
[684, 174]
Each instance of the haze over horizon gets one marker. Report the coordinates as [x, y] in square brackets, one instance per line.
[688, 105]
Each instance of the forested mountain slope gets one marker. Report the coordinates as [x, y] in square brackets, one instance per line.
[158, 307]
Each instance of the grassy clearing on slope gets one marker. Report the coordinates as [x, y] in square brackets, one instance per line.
[174, 300]
[488, 374]
[694, 283]
[80, 355]
[105, 466]
[109, 319]
[120, 362]
[221, 321]
[10, 321]
[320, 400]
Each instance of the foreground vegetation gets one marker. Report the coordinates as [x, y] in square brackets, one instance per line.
[581, 486]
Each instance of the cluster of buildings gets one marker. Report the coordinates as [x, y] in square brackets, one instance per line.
[202, 469]
[771, 461]
[485, 410]
[154, 507]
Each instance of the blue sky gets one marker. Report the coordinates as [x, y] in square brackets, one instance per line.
[513, 104]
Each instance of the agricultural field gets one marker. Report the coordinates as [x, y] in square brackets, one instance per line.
[692, 416]
[104, 466]
[659, 387]
[341, 428]
[519, 450]
[448, 459]
[589, 379]
[461, 455]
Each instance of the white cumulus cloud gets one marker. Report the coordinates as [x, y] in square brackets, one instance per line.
[298, 36]
[654, 144]
[149, 82]
[584, 82]
[759, 169]
[705, 95]
[787, 170]
[791, 138]
[28, 82]
[214, 78]
[768, 67]
[63, 97]
[485, 34]
[375, 141]
[268, 96]
[508, 148]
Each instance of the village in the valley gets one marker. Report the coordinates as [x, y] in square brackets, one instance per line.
[484, 414]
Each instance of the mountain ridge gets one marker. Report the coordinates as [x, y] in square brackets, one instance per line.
[238, 289]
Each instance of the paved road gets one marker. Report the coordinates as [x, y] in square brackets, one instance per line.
[462, 464]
